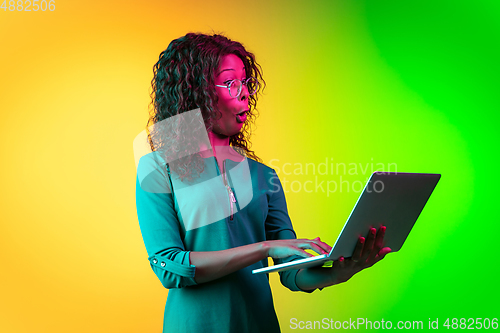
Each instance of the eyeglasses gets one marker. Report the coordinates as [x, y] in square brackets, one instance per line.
[235, 86]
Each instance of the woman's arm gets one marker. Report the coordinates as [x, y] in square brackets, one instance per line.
[176, 266]
[216, 264]
[365, 255]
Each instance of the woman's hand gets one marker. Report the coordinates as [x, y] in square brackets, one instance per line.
[211, 265]
[278, 249]
[367, 252]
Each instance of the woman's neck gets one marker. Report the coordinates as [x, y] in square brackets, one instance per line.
[221, 149]
[218, 142]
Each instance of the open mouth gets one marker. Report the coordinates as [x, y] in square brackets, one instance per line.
[241, 117]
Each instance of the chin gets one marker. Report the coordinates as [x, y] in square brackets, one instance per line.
[226, 133]
[234, 131]
[232, 134]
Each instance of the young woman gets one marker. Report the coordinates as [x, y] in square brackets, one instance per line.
[209, 212]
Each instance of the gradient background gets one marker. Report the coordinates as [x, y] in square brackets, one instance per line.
[408, 82]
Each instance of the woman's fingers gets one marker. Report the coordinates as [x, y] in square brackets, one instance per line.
[370, 240]
[367, 252]
[289, 247]
[378, 243]
[302, 253]
[383, 252]
[342, 262]
[358, 250]
[316, 248]
[315, 245]
[325, 247]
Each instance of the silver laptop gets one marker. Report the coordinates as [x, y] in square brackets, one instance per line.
[392, 199]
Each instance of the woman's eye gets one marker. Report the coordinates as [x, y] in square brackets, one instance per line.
[227, 82]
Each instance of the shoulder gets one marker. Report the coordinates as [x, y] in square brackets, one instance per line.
[261, 169]
[266, 177]
[259, 165]
[150, 162]
[151, 173]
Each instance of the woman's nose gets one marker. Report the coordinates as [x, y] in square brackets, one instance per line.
[244, 93]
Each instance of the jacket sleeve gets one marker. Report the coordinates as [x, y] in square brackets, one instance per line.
[159, 225]
[279, 226]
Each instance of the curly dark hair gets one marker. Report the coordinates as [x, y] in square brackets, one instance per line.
[183, 80]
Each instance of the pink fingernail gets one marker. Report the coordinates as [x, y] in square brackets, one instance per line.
[361, 240]
[341, 259]
[373, 230]
[383, 228]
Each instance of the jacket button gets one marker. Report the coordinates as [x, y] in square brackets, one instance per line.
[162, 264]
[155, 261]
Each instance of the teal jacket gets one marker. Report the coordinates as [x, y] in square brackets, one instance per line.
[206, 215]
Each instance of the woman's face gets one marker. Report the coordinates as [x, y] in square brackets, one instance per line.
[233, 110]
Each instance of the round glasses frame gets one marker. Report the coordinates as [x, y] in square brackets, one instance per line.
[244, 82]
